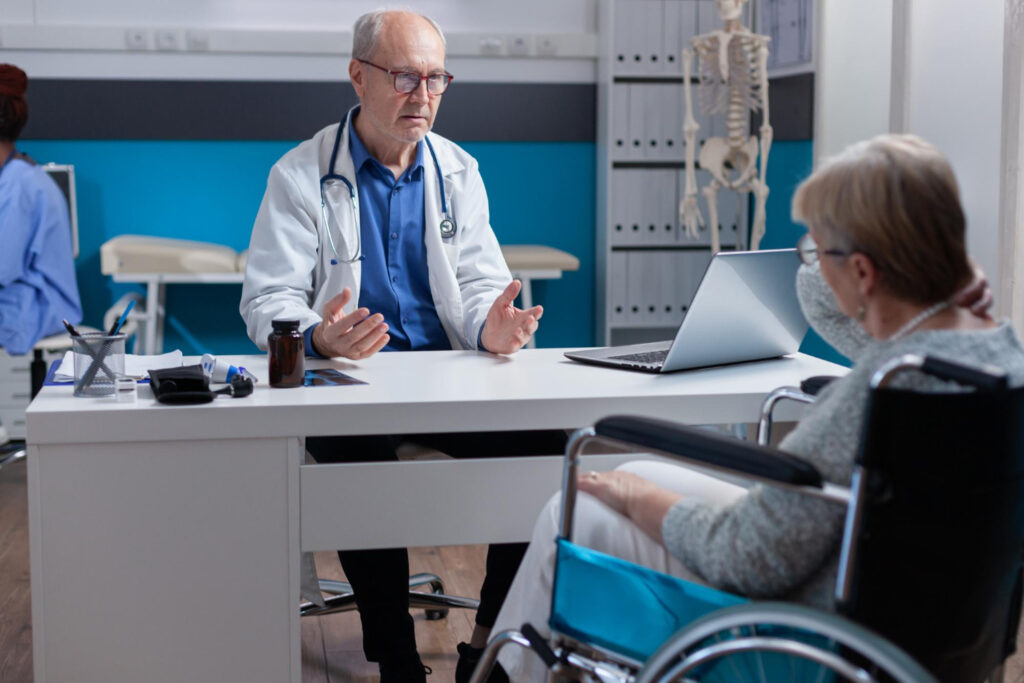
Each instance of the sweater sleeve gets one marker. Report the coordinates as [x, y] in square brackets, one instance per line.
[765, 544]
[822, 312]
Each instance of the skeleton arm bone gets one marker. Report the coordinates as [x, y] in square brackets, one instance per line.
[711, 197]
[761, 186]
[689, 210]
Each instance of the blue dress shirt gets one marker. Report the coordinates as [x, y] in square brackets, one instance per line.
[394, 279]
[37, 268]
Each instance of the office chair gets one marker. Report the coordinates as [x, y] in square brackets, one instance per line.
[929, 583]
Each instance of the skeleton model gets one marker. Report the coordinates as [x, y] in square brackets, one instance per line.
[732, 66]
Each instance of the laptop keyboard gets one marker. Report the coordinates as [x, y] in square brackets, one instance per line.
[655, 357]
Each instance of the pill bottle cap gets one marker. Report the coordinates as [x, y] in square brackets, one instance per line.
[285, 325]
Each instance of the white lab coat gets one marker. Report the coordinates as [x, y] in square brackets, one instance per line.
[289, 274]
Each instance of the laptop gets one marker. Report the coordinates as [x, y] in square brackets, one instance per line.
[745, 309]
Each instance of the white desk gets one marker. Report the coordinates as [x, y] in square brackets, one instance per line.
[165, 540]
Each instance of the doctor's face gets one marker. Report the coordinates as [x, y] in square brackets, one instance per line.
[407, 43]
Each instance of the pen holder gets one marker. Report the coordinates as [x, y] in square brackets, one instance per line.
[99, 360]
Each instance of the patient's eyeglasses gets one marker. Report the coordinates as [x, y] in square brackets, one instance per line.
[808, 251]
[407, 81]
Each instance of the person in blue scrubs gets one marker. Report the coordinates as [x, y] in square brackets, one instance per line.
[37, 269]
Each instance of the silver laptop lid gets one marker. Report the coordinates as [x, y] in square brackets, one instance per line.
[745, 309]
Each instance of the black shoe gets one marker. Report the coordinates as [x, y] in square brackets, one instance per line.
[404, 670]
[469, 657]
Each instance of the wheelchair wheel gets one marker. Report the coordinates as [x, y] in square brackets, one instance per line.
[778, 642]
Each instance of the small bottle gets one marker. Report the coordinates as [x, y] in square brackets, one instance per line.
[287, 354]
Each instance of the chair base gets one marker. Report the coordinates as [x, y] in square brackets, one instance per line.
[11, 453]
[436, 602]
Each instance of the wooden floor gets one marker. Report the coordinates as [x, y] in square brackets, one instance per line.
[331, 649]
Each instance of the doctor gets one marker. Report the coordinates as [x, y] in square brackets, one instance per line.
[375, 235]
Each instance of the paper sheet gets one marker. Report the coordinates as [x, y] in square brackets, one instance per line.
[134, 365]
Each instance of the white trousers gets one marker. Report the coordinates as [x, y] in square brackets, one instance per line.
[599, 527]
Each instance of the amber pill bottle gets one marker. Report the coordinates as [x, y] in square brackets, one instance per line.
[286, 349]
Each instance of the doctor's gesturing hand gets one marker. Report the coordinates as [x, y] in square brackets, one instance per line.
[508, 328]
[354, 336]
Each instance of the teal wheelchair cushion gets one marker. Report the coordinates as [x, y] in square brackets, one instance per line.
[621, 606]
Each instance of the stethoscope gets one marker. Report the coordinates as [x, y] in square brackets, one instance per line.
[447, 226]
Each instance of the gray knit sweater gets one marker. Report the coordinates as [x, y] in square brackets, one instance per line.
[777, 543]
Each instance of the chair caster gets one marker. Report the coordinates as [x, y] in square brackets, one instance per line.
[436, 614]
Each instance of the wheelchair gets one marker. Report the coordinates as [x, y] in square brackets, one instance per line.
[930, 567]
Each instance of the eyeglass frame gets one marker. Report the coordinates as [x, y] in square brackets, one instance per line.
[803, 252]
[395, 74]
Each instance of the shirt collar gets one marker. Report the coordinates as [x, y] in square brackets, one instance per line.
[361, 157]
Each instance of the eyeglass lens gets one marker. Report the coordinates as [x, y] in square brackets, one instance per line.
[407, 82]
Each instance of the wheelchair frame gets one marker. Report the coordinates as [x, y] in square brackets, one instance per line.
[565, 654]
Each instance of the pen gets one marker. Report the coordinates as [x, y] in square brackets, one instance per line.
[89, 351]
[116, 327]
[70, 328]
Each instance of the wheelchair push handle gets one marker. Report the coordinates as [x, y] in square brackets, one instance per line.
[981, 377]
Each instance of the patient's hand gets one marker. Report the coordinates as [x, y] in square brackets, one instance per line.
[977, 295]
[618, 490]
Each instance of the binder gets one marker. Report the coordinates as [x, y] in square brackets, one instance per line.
[635, 203]
[634, 288]
[667, 206]
[619, 218]
[637, 120]
[672, 62]
[688, 25]
[650, 282]
[620, 121]
[654, 43]
[623, 33]
[674, 109]
[617, 287]
[707, 18]
[668, 313]
[653, 121]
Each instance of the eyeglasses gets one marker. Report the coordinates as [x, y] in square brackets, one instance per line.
[407, 81]
[808, 251]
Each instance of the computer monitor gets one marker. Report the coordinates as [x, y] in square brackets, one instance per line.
[64, 176]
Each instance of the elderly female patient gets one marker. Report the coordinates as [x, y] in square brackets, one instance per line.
[886, 273]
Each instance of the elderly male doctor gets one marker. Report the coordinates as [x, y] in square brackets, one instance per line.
[375, 235]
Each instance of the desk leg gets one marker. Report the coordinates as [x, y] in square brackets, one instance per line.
[166, 562]
[153, 304]
[527, 297]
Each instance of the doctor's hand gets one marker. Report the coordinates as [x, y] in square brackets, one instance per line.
[354, 336]
[508, 328]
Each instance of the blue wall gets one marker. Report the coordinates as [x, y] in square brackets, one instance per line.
[790, 162]
[540, 192]
[210, 191]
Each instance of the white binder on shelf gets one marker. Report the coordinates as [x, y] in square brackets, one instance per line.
[637, 121]
[672, 62]
[668, 313]
[619, 214]
[667, 206]
[707, 17]
[623, 33]
[688, 25]
[672, 122]
[650, 307]
[620, 121]
[618, 284]
[634, 288]
[654, 45]
[653, 122]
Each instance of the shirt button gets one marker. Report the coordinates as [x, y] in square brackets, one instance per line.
[405, 321]
[394, 235]
[394, 278]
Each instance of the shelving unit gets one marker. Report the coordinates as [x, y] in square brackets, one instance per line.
[647, 267]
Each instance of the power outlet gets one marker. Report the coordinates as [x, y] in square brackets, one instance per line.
[168, 39]
[197, 41]
[136, 39]
[519, 46]
[491, 47]
[546, 47]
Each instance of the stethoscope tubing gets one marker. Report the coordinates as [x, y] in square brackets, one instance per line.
[447, 225]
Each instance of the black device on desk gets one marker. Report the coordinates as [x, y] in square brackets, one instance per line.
[189, 384]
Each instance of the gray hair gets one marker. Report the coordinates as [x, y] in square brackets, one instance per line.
[366, 32]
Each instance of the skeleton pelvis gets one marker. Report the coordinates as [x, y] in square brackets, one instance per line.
[732, 167]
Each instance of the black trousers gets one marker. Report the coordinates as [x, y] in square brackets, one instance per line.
[380, 578]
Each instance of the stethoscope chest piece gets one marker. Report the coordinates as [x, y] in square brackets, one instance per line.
[447, 227]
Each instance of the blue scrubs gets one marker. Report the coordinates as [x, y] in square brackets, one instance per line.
[37, 269]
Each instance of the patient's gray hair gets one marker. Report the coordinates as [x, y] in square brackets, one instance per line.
[366, 32]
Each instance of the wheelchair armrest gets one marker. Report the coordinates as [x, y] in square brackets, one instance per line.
[812, 386]
[709, 448]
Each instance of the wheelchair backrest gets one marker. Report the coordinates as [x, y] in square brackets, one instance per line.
[938, 557]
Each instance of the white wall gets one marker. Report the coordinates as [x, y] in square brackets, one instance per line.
[954, 99]
[854, 58]
[39, 28]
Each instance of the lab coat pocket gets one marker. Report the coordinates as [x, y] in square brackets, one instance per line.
[451, 251]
